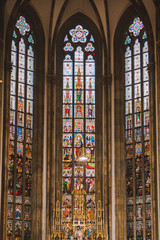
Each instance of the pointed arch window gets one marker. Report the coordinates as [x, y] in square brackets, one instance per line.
[21, 132]
[137, 132]
[79, 107]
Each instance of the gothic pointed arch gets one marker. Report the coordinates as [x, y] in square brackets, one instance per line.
[65, 45]
[135, 158]
[23, 126]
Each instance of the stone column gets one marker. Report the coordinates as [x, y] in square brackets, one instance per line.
[106, 165]
[51, 166]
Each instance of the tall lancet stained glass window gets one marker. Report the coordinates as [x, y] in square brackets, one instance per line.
[21, 132]
[78, 178]
[137, 132]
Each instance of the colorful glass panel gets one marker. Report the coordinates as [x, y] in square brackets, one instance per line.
[78, 126]
[137, 133]
[21, 135]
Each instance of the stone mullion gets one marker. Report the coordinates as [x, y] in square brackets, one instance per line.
[133, 143]
[24, 142]
[142, 141]
[15, 138]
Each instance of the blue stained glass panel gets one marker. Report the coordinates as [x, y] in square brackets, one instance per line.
[30, 51]
[90, 68]
[90, 140]
[128, 52]
[21, 75]
[22, 46]
[79, 54]
[137, 76]
[145, 74]
[13, 47]
[29, 78]
[145, 88]
[128, 62]
[67, 68]
[13, 73]
[29, 92]
[30, 63]
[13, 88]
[14, 58]
[137, 61]
[145, 48]
[21, 61]
[136, 47]
[20, 134]
[128, 93]
[128, 78]
[145, 59]
[67, 140]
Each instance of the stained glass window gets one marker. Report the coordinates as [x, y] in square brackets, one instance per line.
[78, 131]
[21, 132]
[137, 133]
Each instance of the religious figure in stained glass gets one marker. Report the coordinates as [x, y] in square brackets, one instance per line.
[137, 131]
[20, 146]
[78, 179]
